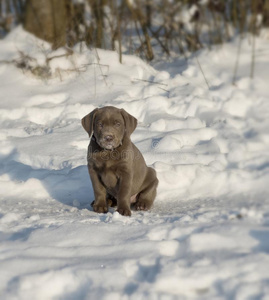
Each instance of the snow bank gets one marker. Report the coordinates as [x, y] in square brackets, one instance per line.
[207, 234]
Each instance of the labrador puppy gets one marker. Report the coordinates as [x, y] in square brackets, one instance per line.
[117, 169]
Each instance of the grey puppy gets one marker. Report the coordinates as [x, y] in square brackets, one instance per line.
[117, 169]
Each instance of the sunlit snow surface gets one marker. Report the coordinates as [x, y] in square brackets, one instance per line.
[207, 236]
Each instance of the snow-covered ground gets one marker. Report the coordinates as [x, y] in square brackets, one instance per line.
[207, 236]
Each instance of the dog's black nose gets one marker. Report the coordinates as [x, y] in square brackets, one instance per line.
[108, 138]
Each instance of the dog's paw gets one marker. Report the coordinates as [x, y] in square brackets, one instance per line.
[124, 211]
[142, 205]
[100, 209]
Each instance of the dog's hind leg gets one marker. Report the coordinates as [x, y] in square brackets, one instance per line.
[148, 194]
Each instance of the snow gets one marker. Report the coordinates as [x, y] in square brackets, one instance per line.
[207, 235]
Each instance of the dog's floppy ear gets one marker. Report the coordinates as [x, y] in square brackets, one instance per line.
[130, 122]
[88, 121]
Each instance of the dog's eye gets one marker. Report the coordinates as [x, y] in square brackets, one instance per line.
[117, 124]
[100, 125]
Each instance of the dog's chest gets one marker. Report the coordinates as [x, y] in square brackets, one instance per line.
[107, 173]
[109, 179]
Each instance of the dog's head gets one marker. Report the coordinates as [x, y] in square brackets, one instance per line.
[109, 125]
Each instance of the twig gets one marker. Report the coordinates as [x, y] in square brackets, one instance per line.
[163, 89]
[201, 70]
[237, 58]
[97, 64]
[254, 31]
[59, 56]
[159, 41]
[253, 56]
[94, 82]
[7, 61]
[101, 71]
[150, 81]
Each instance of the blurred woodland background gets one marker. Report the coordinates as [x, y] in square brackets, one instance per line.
[141, 27]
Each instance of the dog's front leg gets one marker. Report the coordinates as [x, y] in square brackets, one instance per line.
[124, 195]
[100, 203]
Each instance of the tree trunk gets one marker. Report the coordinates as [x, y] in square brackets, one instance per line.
[266, 13]
[46, 19]
[97, 8]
